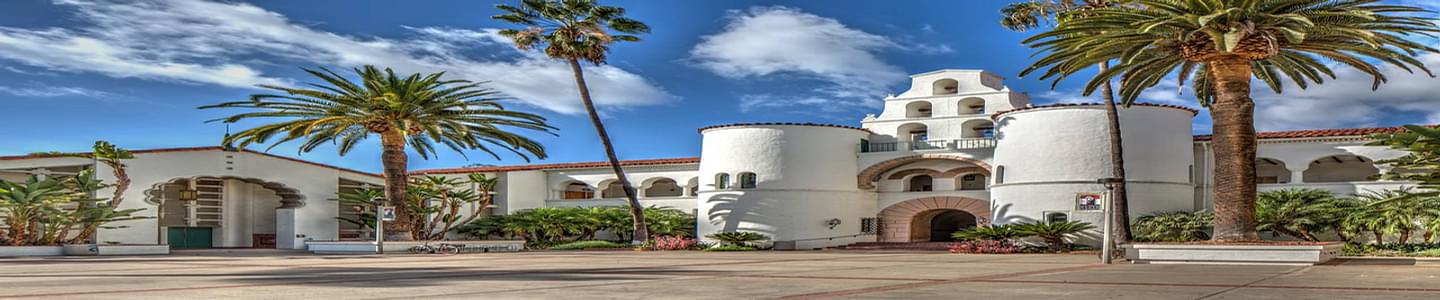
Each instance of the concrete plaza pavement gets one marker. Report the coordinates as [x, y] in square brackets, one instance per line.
[693, 275]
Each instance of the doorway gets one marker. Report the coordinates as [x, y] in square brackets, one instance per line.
[190, 237]
[947, 222]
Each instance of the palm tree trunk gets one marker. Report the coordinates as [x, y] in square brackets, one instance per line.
[1233, 115]
[396, 178]
[1379, 237]
[636, 212]
[1121, 209]
[122, 182]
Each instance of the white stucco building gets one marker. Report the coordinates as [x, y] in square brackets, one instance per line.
[958, 149]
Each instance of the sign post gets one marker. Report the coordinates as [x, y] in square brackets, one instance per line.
[382, 213]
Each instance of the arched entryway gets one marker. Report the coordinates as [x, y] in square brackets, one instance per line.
[222, 211]
[942, 223]
[931, 218]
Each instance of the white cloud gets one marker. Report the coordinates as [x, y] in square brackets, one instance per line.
[218, 43]
[53, 91]
[1348, 101]
[769, 41]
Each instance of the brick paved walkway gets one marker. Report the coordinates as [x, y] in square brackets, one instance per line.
[693, 275]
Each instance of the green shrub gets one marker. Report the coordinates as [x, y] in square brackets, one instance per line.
[1054, 233]
[739, 238]
[1003, 232]
[556, 225]
[729, 248]
[1176, 226]
[588, 245]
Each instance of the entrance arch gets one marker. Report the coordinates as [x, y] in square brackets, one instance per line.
[915, 220]
[223, 211]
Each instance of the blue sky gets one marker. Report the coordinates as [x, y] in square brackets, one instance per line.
[132, 72]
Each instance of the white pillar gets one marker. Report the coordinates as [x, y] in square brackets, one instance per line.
[1297, 176]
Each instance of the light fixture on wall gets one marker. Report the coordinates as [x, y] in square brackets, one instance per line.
[832, 223]
[189, 195]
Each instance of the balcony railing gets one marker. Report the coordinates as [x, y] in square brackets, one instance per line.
[956, 144]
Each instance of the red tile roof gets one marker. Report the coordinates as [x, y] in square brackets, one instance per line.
[703, 129]
[1291, 134]
[211, 148]
[576, 165]
[999, 113]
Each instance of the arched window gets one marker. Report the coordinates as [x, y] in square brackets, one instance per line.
[970, 106]
[577, 190]
[971, 182]
[664, 187]
[945, 87]
[921, 183]
[747, 180]
[999, 174]
[613, 190]
[1341, 168]
[1056, 217]
[918, 109]
[722, 181]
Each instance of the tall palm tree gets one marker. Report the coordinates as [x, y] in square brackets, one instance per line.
[414, 111]
[575, 31]
[1222, 45]
[1027, 15]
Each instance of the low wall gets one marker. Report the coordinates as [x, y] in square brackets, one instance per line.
[403, 247]
[1233, 254]
[17, 251]
[84, 250]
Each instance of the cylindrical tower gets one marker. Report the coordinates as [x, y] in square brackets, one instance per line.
[788, 181]
[1047, 156]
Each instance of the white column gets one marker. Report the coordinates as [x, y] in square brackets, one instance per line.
[1297, 176]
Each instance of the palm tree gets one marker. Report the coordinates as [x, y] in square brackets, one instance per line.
[575, 31]
[1054, 233]
[1222, 45]
[1024, 16]
[110, 155]
[1400, 211]
[414, 111]
[1298, 213]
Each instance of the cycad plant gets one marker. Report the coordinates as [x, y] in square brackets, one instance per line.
[408, 112]
[1054, 233]
[1298, 213]
[1179, 226]
[574, 31]
[1222, 45]
[1399, 211]
[738, 238]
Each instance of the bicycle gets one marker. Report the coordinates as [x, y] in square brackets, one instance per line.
[441, 248]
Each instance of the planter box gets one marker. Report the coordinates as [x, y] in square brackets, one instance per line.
[403, 247]
[1277, 254]
[109, 250]
[15, 251]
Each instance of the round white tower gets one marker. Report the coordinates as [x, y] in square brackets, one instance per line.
[1046, 156]
[790, 182]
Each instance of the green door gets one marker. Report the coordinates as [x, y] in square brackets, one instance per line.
[189, 237]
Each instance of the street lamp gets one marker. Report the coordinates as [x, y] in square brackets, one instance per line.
[1107, 247]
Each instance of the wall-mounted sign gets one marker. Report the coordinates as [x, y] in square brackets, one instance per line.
[1089, 201]
[387, 213]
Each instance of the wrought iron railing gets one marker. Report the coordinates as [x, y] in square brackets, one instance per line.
[965, 143]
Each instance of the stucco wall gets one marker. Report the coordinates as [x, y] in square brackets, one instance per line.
[1050, 154]
[806, 175]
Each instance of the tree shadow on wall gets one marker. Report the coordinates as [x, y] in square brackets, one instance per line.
[729, 210]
